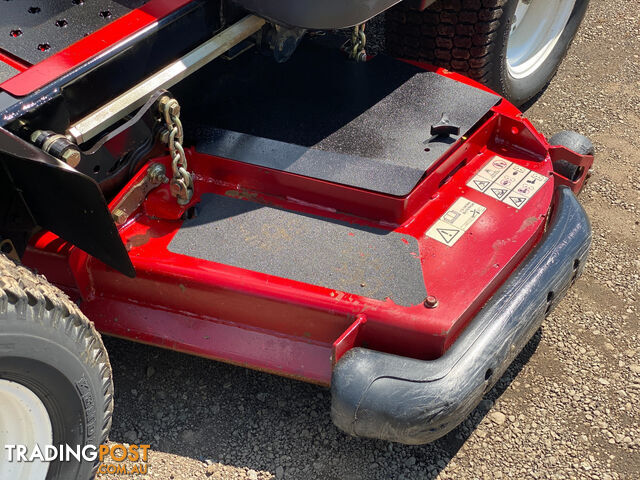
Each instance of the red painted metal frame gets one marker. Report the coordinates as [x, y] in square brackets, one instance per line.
[37, 76]
[296, 329]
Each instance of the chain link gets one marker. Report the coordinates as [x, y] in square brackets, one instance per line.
[358, 44]
[182, 182]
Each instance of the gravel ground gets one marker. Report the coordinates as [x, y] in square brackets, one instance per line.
[567, 408]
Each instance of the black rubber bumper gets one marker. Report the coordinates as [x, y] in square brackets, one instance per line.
[399, 399]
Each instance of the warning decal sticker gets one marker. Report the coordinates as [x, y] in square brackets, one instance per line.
[508, 182]
[458, 219]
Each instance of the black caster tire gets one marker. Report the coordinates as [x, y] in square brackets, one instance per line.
[576, 143]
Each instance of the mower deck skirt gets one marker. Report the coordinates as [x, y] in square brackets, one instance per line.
[379, 395]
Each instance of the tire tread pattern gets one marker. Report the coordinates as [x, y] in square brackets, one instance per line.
[21, 289]
[458, 35]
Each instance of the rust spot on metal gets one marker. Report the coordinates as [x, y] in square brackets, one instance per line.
[242, 194]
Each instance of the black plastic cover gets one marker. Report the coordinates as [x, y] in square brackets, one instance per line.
[64, 201]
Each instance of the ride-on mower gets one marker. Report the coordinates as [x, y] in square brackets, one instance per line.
[234, 180]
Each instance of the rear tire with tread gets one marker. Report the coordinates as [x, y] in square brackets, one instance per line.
[50, 347]
[470, 37]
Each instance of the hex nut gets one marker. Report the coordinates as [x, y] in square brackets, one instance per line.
[157, 173]
[72, 157]
[119, 216]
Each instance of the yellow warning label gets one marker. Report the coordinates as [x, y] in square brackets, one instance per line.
[450, 227]
[508, 182]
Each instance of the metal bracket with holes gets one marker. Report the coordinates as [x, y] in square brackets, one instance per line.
[156, 176]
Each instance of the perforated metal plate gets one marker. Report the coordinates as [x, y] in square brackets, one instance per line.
[35, 29]
[371, 262]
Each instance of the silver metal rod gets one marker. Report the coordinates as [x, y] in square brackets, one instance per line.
[135, 97]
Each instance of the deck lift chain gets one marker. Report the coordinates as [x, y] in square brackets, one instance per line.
[357, 51]
[67, 147]
[182, 182]
[63, 148]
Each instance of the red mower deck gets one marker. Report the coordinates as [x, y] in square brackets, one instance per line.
[342, 250]
[196, 275]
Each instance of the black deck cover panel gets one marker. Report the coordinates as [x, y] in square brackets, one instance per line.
[367, 261]
[35, 29]
[6, 72]
[320, 115]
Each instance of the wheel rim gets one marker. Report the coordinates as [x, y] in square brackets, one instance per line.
[23, 421]
[535, 30]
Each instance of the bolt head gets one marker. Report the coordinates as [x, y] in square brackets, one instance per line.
[119, 216]
[162, 102]
[174, 109]
[431, 302]
[72, 157]
[157, 173]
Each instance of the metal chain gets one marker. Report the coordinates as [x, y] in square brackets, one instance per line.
[182, 182]
[358, 43]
